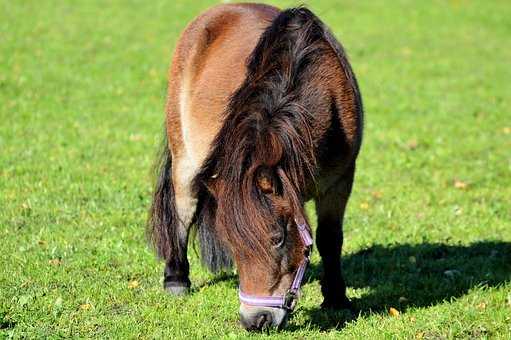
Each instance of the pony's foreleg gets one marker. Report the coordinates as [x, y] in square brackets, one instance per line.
[330, 208]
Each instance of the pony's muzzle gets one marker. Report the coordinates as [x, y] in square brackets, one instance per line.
[255, 318]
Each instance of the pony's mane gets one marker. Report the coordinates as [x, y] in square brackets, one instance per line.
[268, 124]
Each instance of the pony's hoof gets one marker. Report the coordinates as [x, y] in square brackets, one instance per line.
[338, 304]
[177, 289]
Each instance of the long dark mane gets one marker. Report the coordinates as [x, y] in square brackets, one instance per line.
[267, 125]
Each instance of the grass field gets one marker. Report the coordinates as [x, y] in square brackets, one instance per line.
[428, 228]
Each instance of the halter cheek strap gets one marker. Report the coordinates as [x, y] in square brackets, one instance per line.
[287, 301]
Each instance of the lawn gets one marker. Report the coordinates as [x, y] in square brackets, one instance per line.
[428, 227]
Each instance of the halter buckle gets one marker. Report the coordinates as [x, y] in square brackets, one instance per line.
[290, 300]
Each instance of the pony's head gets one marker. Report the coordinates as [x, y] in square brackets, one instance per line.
[256, 219]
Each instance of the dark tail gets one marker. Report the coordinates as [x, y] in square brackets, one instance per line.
[163, 220]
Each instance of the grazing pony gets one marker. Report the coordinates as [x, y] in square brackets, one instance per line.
[263, 114]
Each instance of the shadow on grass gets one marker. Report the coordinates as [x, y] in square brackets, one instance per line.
[229, 277]
[419, 275]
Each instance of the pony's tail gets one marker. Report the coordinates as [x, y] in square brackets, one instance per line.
[163, 221]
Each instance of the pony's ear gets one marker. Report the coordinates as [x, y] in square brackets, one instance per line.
[266, 180]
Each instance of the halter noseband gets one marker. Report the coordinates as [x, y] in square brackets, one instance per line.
[287, 301]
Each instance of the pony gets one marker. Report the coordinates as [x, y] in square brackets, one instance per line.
[263, 114]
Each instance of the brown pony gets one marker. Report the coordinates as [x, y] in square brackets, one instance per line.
[263, 114]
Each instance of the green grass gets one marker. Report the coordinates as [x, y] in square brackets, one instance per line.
[82, 88]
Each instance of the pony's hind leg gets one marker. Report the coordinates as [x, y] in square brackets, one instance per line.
[330, 208]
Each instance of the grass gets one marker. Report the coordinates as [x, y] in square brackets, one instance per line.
[428, 228]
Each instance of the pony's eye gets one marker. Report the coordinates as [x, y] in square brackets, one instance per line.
[279, 239]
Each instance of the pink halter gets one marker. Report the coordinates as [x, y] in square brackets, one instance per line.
[287, 301]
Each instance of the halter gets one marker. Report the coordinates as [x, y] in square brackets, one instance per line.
[287, 301]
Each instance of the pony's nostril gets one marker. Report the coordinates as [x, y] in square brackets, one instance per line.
[264, 321]
[260, 321]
